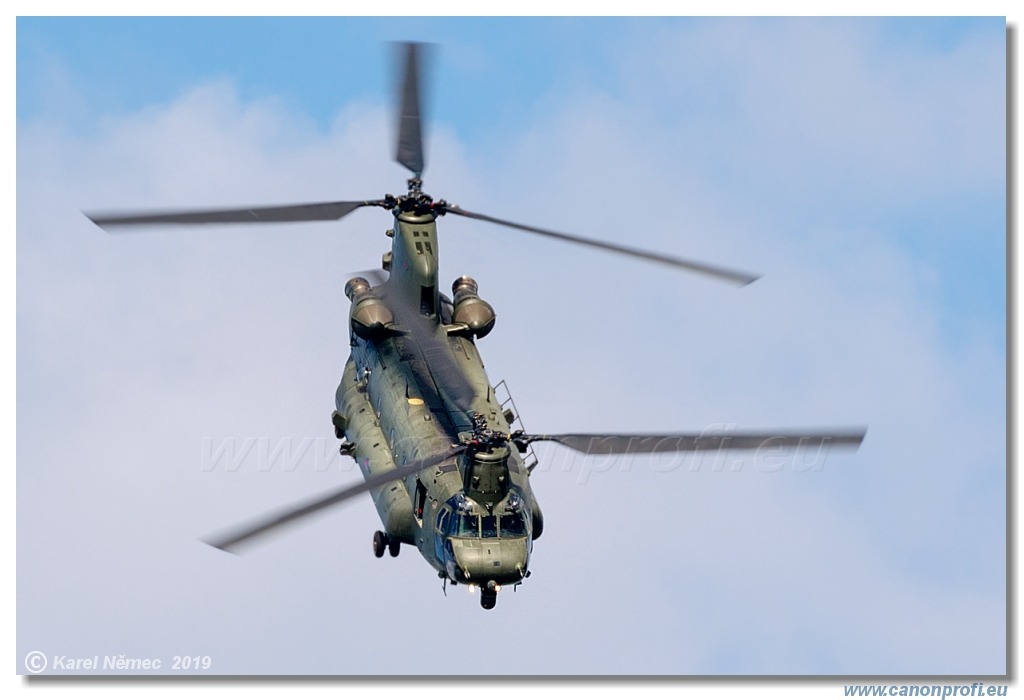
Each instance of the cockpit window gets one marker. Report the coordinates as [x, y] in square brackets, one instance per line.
[490, 525]
[513, 525]
[468, 526]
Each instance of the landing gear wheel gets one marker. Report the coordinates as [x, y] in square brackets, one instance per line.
[380, 543]
[393, 547]
[489, 595]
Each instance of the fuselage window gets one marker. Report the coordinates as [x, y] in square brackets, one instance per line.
[439, 540]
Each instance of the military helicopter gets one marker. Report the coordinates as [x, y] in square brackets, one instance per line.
[443, 455]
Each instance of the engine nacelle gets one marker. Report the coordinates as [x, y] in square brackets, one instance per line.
[369, 317]
[470, 310]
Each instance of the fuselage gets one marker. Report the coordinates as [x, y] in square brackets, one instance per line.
[474, 516]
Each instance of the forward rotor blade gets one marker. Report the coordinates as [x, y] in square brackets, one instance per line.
[318, 211]
[447, 374]
[410, 130]
[376, 277]
[733, 276]
[262, 526]
[593, 444]
[436, 351]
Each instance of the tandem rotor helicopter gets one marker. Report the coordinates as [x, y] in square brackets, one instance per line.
[442, 454]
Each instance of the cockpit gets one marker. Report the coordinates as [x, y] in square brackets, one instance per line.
[472, 543]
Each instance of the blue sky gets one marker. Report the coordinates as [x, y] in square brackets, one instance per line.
[858, 164]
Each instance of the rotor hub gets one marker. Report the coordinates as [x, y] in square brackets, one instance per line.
[416, 201]
[485, 438]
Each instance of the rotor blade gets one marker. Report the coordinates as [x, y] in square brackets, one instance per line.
[319, 211]
[267, 523]
[722, 273]
[376, 277]
[594, 444]
[441, 363]
[435, 350]
[410, 130]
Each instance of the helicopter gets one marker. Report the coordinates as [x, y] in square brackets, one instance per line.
[442, 452]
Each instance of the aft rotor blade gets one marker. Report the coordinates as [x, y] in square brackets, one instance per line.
[410, 129]
[596, 444]
[733, 276]
[268, 523]
[318, 211]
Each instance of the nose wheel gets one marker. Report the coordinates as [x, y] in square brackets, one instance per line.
[489, 595]
[382, 542]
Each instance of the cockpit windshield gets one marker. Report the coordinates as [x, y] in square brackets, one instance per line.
[512, 525]
[490, 525]
[454, 524]
[467, 526]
